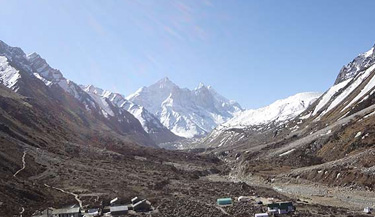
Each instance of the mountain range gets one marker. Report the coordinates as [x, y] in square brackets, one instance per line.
[54, 132]
[158, 132]
[31, 76]
[187, 113]
[172, 114]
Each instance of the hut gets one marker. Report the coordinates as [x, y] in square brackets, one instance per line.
[67, 212]
[285, 207]
[93, 212]
[244, 199]
[224, 201]
[273, 207]
[261, 215]
[114, 202]
[281, 207]
[142, 206]
[118, 210]
[44, 213]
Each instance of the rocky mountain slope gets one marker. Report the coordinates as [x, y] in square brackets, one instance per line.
[31, 76]
[331, 142]
[187, 113]
[360, 63]
[259, 120]
[152, 125]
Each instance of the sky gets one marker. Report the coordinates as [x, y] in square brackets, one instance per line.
[251, 51]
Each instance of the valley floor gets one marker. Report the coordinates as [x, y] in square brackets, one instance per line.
[305, 192]
[177, 183]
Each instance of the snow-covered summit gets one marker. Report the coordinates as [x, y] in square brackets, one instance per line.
[109, 101]
[187, 113]
[360, 63]
[119, 101]
[151, 97]
[279, 111]
[165, 83]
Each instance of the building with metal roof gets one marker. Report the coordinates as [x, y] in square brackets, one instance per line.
[224, 201]
[142, 206]
[119, 210]
[67, 212]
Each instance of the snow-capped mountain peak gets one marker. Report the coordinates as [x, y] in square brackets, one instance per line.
[149, 122]
[187, 113]
[279, 111]
[165, 83]
[361, 62]
[200, 86]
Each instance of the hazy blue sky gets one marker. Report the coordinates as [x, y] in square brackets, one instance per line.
[252, 51]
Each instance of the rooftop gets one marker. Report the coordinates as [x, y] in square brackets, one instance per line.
[118, 208]
[66, 210]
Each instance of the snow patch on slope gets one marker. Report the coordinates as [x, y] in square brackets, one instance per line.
[357, 81]
[369, 86]
[328, 95]
[8, 75]
[147, 120]
[348, 81]
[51, 76]
[279, 111]
[103, 104]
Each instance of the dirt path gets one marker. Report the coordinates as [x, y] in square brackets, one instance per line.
[23, 164]
[76, 196]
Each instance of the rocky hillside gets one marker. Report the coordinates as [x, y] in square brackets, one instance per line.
[90, 95]
[31, 77]
[187, 113]
[331, 142]
[360, 63]
[259, 121]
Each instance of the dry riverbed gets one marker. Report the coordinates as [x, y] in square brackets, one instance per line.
[344, 199]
